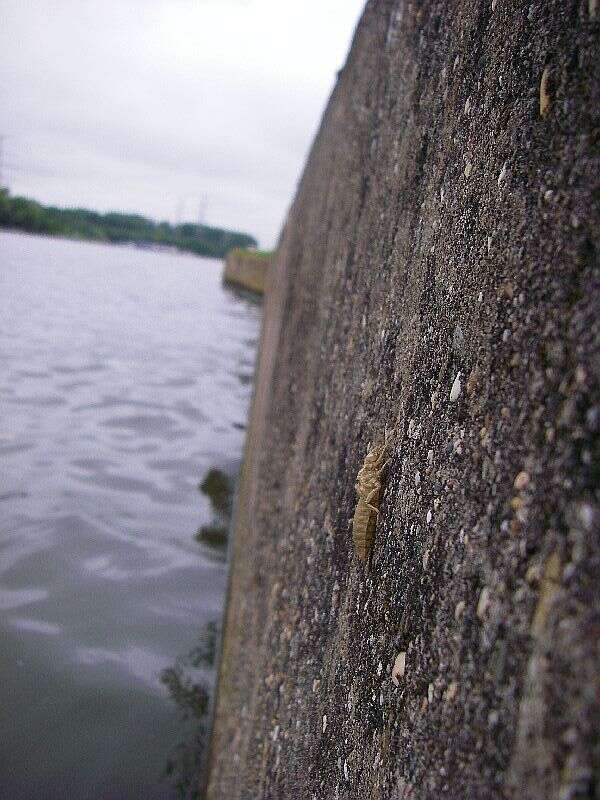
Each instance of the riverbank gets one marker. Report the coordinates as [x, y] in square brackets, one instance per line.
[437, 279]
[248, 269]
[29, 216]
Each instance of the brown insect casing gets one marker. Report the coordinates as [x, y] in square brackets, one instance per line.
[363, 529]
[545, 98]
[368, 488]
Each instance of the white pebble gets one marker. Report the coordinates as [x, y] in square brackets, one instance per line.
[484, 603]
[451, 692]
[399, 668]
[504, 175]
[585, 516]
[456, 388]
[521, 481]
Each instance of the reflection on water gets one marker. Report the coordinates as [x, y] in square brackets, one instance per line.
[124, 384]
[218, 487]
[191, 678]
[189, 682]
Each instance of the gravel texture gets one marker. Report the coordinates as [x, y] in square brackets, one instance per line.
[438, 278]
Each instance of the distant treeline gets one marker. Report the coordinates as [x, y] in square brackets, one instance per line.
[78, 223]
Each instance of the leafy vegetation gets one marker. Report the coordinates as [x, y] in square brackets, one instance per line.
[253, 255]
[79, 223]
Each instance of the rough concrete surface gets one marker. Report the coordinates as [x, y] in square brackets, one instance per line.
[247, 269]
[443, 241]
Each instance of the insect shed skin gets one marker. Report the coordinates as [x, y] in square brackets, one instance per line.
[368, 488]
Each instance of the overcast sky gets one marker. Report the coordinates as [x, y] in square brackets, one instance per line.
[168, 107]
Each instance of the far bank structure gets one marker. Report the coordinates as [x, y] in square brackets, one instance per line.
[248, 269]
[436, 282]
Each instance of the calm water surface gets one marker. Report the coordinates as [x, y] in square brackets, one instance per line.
[126, 376]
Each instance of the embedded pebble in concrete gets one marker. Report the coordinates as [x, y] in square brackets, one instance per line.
[399, 668]
[456, 388]
[484, 603]
[522, 481]
[504, 175]
[451, 692]
[549, 588]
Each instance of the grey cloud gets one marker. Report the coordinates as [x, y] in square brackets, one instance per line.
[133, 105]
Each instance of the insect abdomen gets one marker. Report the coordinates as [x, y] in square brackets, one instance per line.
[363, 529]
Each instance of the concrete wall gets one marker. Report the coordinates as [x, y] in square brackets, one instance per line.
[247, 269]
[444, 234]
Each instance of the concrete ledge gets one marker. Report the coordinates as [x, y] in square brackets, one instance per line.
[437, 278]
[248, 269]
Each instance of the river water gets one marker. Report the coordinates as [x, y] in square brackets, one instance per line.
[126, 376]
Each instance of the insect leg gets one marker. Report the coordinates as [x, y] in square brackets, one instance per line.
[369, 497]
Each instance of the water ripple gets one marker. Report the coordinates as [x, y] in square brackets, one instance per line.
[17, 598]
[115, 410]
[36, 626]
[143, 424]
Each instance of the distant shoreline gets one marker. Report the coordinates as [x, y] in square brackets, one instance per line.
[29, 216]
[161, 249]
